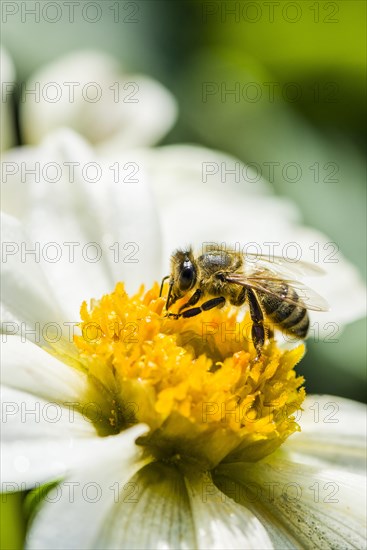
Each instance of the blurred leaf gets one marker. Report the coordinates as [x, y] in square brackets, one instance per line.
[12, 522]
[324, 174]
[35, 497]
[291, 37]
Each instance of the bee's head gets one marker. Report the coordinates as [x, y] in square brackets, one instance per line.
[183, 275]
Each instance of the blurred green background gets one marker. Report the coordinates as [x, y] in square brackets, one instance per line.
[297, 72]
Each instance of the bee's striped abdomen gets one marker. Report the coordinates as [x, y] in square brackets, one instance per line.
[290, 318]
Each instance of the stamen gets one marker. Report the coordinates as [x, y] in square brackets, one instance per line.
[194, 382]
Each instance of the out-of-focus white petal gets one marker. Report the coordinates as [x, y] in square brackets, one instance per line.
[126, 214]
[220, 522]
[147, 112]
[55, 214]
[7, 81]
[84, 500]
[151, 510]
[87, 92]
[30, 368]
[90, 233]
[333, 431]
[206, 196]
[27, 302]
[196, 205]
[341, 285]
[41, 440]
[157, 514]
[315, 507]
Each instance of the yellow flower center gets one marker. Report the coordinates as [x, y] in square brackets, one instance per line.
[195, 382]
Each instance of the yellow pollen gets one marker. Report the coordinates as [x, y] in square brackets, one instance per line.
[195, 382]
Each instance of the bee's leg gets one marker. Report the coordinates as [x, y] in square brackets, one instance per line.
[193, 300]
[240, 299]
[210, 304]
[258, 330]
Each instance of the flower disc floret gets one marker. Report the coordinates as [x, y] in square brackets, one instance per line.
[196, 383]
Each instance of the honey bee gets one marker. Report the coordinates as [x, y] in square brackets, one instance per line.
[217, 276]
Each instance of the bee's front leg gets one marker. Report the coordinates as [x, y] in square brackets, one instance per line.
[193, 300]
[193, 311]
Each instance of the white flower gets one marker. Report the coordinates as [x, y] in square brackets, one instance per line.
[112, 494]
[88, 92]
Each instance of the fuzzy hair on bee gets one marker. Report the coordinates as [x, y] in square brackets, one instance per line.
[218, 276]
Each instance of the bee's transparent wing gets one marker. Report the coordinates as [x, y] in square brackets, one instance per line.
[281, 265]
[309, 297]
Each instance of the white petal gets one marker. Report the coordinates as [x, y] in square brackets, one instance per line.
[332, 430]
[156, 516]
[26, 296]
[56, 214]
[152, 511]
[40, 439]
[105, 106]
[218, 211]
[98, 230]
[220, 522]
[127, 217]
[29, 368]
[345, 306]
[303, 505]
[74, 514]
[145, 120]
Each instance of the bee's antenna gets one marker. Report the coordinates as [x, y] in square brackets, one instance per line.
[162, 283]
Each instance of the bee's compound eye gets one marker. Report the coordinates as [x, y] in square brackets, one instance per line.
[187, 277]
